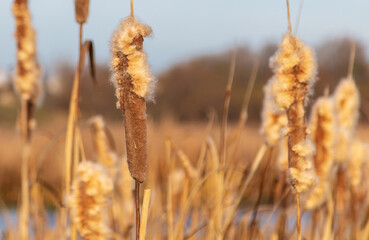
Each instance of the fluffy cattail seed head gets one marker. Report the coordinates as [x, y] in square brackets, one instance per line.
[127, 45]
[101, 142]
[274, 120]
[294, 68]
[82, 10]
[359, 153]
[91, 190]
[323, 134]
[27, 70]
[347, 106]
[294, 74]
[317, 196]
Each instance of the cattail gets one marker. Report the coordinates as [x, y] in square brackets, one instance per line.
[274, 119]
[317, 196]
[27, 70]
[323, 128]
[323, 134]
[89, 201]
[359, 153]
[81, 8]
[134, 85]
[106, 156]
[294, 75]
[347, 106]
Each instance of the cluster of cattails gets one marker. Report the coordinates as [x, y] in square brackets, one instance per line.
[328, 144]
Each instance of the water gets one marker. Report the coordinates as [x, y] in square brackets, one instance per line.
[10, 217]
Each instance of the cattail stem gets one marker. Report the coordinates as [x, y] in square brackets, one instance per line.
[298, 216]
[24, 209]
[137, 201]
[289, 17]
[352, 60]
[132, 16]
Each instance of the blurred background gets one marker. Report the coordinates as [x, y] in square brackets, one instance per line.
[190, 53]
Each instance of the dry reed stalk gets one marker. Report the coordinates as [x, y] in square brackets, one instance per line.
[227, 99]
[27, 83]
[89, 201]
[232, 211]
[191, 171]
[327, 230]
[169, 190]
[145, 213]
[213, 192]
[105, 154]
[244, 108]
[253, 225]
[186, 186]
[294, 74]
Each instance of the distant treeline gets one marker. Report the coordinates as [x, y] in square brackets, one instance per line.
[193, 89]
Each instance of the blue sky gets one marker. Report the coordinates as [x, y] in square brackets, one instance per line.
[183, 28]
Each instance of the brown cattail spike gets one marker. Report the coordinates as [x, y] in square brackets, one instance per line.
[134, 81]
[82, 10]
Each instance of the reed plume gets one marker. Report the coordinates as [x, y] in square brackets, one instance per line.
[133, 86]
[91, 190]
[294, 75]
[347, 101]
